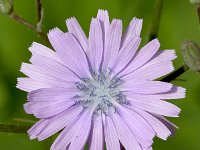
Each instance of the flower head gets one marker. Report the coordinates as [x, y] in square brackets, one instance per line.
[100, 89]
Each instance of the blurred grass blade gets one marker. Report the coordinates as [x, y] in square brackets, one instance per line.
[10, 128]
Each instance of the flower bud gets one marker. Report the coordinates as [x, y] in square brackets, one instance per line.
[6, 6]
[197, 5]
[191, 55]
[195, 1]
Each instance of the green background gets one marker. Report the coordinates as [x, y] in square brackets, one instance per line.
[179, 22]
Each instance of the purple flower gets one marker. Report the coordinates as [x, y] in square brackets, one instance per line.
[100, 89]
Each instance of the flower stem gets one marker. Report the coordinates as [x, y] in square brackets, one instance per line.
[156, 19]
[175, 74]
[17, 18]
[39, 10]
[14, 128]
[122, 147]
[153, 35]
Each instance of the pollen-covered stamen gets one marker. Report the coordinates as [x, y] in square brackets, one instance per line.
[100, 92]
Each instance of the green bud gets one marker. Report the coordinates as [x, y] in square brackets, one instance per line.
[197, 6]
[191, 55]
[195, 1]
[6, 6]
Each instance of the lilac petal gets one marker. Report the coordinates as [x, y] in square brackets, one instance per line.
[134, 29]
[28, 84]
[125, 136]
[159, 65]
[52, 94]
[96, 142]
[136, 123]
[174, 93]
[147, 87]
[63, 140]
[172, 127]
[53, 68]
[112, 43]
[144, 143]
[150, 148]
[162, 56]
[82, 134]
[138, 126]
[73, 51]
[150, 72]
[143, 56]
[70, 52]
[54, 37]
[71, 132]
[126, 53]
[153, 105]
[160, 129]
[39, 49]
[45, 74]
[104, 20]
[37, 128]
[59, 121]
[47, 109]
[95, 44]
[74, 28]
[111, 137]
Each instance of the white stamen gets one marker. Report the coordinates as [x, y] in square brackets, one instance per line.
[98, 93]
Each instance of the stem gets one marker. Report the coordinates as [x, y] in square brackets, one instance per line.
[17, 18]
[156, 19]
[153, 35]
[14, 128]
[122, 147]
[39, 10]
[175, 74]
[22, 21]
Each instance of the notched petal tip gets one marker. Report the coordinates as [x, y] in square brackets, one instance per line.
[137, 19]
[32, 137]
[103, 16]
[173, 52]
[68, 20]
[182, 91]
[155, 41]
[18, 82]
[155, 44]
[33, 45]
[54, 36]
[21, 67]
[115, 20]
[37, 48]
[55, 31]
[135, 26]
[102, 12]
[94, 20]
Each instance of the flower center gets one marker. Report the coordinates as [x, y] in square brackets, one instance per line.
[100, 93]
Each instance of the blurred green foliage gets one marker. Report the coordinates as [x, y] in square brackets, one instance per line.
[179, 22]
